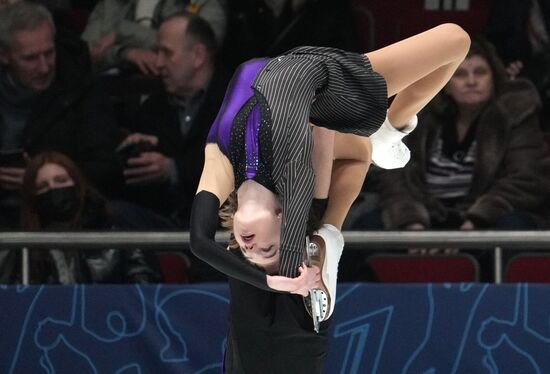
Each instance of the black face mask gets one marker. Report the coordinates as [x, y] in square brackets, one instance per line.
[58, 205]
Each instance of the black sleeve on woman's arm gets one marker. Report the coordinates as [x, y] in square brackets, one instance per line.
[204, 223]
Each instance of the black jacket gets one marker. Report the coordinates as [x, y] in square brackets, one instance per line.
[158, 116]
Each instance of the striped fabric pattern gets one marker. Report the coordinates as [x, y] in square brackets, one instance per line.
[331, 88]
[450, 178]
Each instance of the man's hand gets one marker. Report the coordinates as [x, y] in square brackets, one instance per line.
[149, 167]
[309, 278]
[138, 138]
[11, 178]
[98, 49]
[144, 59]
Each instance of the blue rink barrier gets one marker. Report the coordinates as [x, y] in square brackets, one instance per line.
[413, 328]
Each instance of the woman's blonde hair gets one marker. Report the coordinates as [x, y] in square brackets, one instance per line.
[226, 213]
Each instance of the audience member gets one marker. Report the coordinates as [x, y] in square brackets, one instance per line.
[519, 30]
[71, 50]
[478, 161]
[164, 153]
[121, 31]
[258, 28]
[56, 197]
[45, 105]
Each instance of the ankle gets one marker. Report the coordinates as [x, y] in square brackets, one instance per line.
[407, 127]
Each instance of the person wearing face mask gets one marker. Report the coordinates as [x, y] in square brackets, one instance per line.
[56, 197]
[479, 161]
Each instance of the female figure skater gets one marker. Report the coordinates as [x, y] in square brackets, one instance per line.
[260, 143]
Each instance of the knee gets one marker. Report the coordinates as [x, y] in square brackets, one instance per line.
[458, 38]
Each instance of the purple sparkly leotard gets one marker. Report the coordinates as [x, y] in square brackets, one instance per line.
[238, 94]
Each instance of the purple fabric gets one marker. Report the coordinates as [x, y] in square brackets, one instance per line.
[237, 94]
[251, 142]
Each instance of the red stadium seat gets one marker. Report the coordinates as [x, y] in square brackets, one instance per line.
[173, 267]
[529, 267]
[396, 268]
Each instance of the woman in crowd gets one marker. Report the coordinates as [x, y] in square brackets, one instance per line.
[479, 160]
[55, 196]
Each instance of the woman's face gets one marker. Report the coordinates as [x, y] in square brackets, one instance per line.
[257, 229]
[472, 82]
[52, 176]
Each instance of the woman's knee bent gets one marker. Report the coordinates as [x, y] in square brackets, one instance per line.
[458, 39]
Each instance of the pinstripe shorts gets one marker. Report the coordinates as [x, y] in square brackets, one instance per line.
[348, 96]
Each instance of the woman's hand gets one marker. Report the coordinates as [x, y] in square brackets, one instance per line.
[513, 69]
[415, 226]
[467, 225]
[309, 278]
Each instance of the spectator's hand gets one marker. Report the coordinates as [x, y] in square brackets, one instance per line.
[144, 59]
[149, 167]
[138, 138]
[467, 225]
[433, 251]
[309, 278]
[11, 178]
[98, 49]
[415, 226]
[514, 68]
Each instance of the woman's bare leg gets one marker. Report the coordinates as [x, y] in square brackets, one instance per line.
[321, 159]
[417, 68]
[352, 158]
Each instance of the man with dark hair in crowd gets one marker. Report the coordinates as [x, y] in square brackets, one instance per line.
[166, 146]
[124, 31]
[45, 105]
